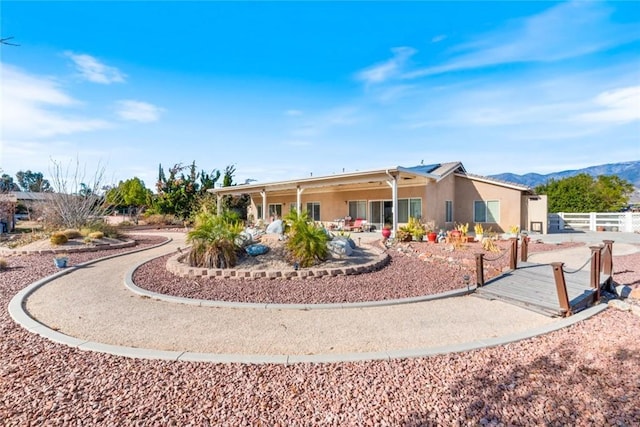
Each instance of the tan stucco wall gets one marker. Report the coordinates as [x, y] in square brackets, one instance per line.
[468, 190]
[535, 210]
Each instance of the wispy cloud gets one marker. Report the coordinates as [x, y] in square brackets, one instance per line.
[95, 71]
[391, 68]
[615, 106]
[293, 113]
[564, 31]
[36, 107]
[138, 111]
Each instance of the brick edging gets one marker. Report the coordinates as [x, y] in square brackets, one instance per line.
[78, 249]
[175, 266]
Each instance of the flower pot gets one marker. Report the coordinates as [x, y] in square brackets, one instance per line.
[479, 237]
[386, 233]
[60, 262]
[432, 237]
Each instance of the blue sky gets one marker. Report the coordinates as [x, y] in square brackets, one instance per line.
[287, 89]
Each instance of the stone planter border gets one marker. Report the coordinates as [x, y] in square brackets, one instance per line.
[175, 266]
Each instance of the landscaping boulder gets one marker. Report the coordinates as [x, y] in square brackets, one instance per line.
[275, 227]
[340, 247]
[257, 249]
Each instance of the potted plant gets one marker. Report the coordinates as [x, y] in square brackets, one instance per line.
[416, 229]
[60, 260]
[479, 230]
[403, 234]
[386, 231]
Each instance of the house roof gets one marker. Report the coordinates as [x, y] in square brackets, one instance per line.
[31, 195]
[500, 182]
[8, 198]
[434, 172]
[431, 172]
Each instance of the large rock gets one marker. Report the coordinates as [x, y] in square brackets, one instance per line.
[340, 247]
[635, 294]
[257, 249]
[275, 227]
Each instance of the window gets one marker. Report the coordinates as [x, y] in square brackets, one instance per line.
[358, 209]
[409, 207]
[275, 210]
[292, 207]
[448, 211]
[486, 211]
[259, 210]
[313, 208]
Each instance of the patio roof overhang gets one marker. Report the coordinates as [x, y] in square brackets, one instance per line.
[345, 181]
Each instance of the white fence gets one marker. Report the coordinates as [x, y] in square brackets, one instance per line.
[595, 221]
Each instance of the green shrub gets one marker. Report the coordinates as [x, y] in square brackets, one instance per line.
[4, 264]
[59, 238]
[72, 233]
[107, 230]
[96, 235]
[159, 219]
[307, 243]
[213, 240]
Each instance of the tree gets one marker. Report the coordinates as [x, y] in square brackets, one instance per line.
[33, 182]
[237, 204]
[131, 194]
[7, 184]
[584, 193]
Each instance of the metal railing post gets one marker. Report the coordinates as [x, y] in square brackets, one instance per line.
[479, 270]
[561, 288]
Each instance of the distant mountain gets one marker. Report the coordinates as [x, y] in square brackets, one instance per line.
[627, 170]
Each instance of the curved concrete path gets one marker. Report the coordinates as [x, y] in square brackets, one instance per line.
[90, 308]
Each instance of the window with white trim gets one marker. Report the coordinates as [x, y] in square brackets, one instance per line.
[259, 210]
[409, 207]
[358, 209]
[313, 208]
[486, 211]
[275, 209]
[448, 211]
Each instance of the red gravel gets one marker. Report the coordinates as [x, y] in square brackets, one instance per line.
[407, 275]
[585, 375]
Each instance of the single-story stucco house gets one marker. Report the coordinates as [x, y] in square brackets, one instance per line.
[444, 193]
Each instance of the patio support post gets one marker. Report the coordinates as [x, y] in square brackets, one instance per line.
[561, 288]
[596, 251]
[219, 204]
[479, 270]
[513, 256]
[263, 193]
[393, 182]
[299, 192]
[607, 262]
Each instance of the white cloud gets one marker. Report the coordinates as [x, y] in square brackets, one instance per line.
[293, 113]
[564, 31]
[438, 39]
[95, 71]
[36, 106]
[391, 68]
[615, 106]
[138, 111]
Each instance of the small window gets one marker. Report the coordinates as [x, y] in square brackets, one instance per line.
[313, 208]
[448, 211]
[259, 210]
[409, 207]
[486, 211]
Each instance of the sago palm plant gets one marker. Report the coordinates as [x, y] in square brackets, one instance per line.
[307, 243]
[213, 240]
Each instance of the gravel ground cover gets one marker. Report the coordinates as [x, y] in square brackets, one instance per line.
[585, 375]
[415, 269]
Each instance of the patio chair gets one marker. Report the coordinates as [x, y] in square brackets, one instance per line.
[355, 225]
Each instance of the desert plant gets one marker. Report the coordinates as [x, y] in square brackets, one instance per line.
[403, 234]
[416, 228]
[107, 230]
[96, 235]
[307, 243]
[58, 238]
[214, 240]
[72, 233]
[478, 229]
[514, 229]
[463, 228]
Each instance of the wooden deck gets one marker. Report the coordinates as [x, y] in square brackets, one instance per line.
[532, 286]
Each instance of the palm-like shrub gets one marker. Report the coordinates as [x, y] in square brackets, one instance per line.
[213, 240]
[307, 243]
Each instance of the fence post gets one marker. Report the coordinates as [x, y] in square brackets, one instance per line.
[596, 251]
[479, 270]
[561, 288]
[592, 221]
[524, 250]
[607, 262]
[513, 256]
